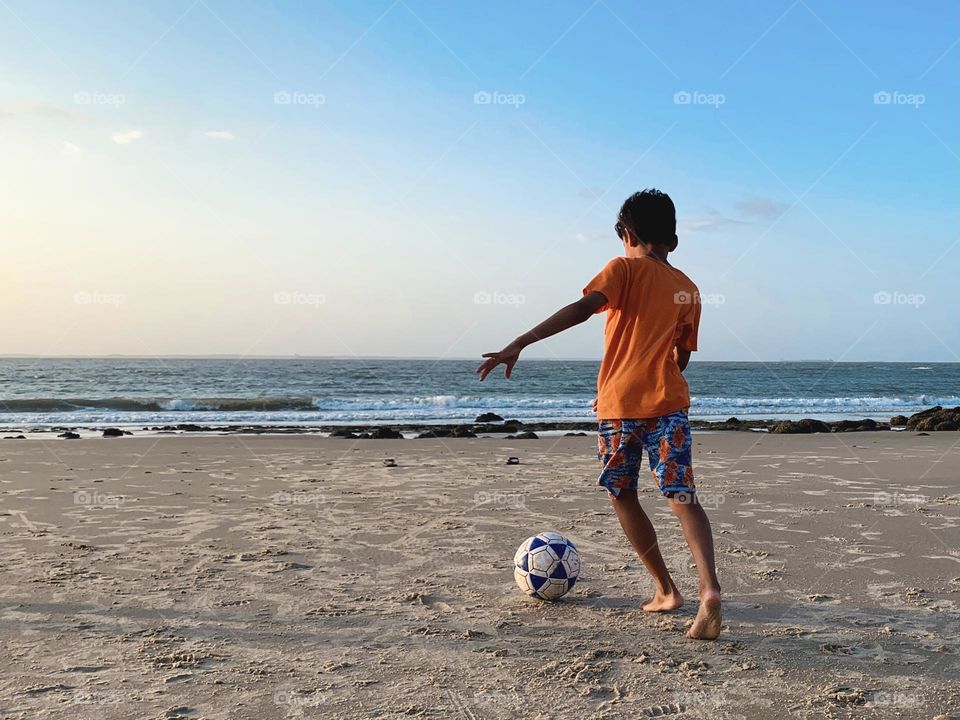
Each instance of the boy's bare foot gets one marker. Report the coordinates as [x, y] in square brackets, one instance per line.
[664, 602]
[706, 626]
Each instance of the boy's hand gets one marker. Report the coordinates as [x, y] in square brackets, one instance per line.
[508, 357]
[595, 406]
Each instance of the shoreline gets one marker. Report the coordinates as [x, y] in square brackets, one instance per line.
[490, 425]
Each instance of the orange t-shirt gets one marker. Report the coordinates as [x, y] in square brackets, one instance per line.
[651, 308]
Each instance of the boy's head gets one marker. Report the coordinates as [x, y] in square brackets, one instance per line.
[650, 218]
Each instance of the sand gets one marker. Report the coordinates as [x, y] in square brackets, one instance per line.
[298, 577]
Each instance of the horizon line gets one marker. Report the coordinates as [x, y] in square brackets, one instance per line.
[235, 356]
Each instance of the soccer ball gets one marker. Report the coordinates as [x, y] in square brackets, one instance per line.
[546, 566]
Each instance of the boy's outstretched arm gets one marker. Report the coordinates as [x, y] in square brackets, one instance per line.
[683, 357]
[563, 319]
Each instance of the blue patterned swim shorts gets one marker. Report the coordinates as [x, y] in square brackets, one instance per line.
[667, 442]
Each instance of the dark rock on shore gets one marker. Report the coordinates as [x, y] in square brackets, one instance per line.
[488, 417]
[190, 427]
[68, 435]
[383, 433]
[575, 434]
[344, 433]
[936, 418]
[854, 425]
[899, 420]
[15, 437]
[526, 435]
[115, 432]
[807, 425]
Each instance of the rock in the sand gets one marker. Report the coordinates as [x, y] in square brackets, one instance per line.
[344, 433]
[463, 432]
[936, 418]
[523, 436]
[807, 425]
[488, 417]
[575, 434]
[437, 433]
[899, 420]
[854, 425]
[68, 435]
[115, 432]
[385, 433]
[15, 437]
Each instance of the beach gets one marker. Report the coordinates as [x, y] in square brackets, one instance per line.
[199, 576]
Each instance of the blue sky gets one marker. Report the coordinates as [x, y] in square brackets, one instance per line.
[431, 179]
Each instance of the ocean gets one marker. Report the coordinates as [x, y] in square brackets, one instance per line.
[132, 391]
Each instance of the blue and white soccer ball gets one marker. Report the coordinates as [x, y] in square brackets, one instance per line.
[546, 566]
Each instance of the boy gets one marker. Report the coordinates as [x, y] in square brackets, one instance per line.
[653, 312]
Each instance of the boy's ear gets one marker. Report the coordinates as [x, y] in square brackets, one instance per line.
[673, 245]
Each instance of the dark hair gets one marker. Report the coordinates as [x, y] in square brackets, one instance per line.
[650, 215]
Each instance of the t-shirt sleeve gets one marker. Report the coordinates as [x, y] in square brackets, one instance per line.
[690, 323]
[610, 282]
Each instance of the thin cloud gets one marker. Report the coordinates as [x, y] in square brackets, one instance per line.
[760, 208]
[219, 134]
[68, 148]
[125, 138]
[709, 222]
[42, 109]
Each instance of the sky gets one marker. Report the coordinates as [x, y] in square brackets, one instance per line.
[430, 179]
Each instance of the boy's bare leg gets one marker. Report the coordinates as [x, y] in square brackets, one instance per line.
[639, 531]
[696, 529]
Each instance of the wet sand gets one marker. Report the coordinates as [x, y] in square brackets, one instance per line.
[298, 577]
